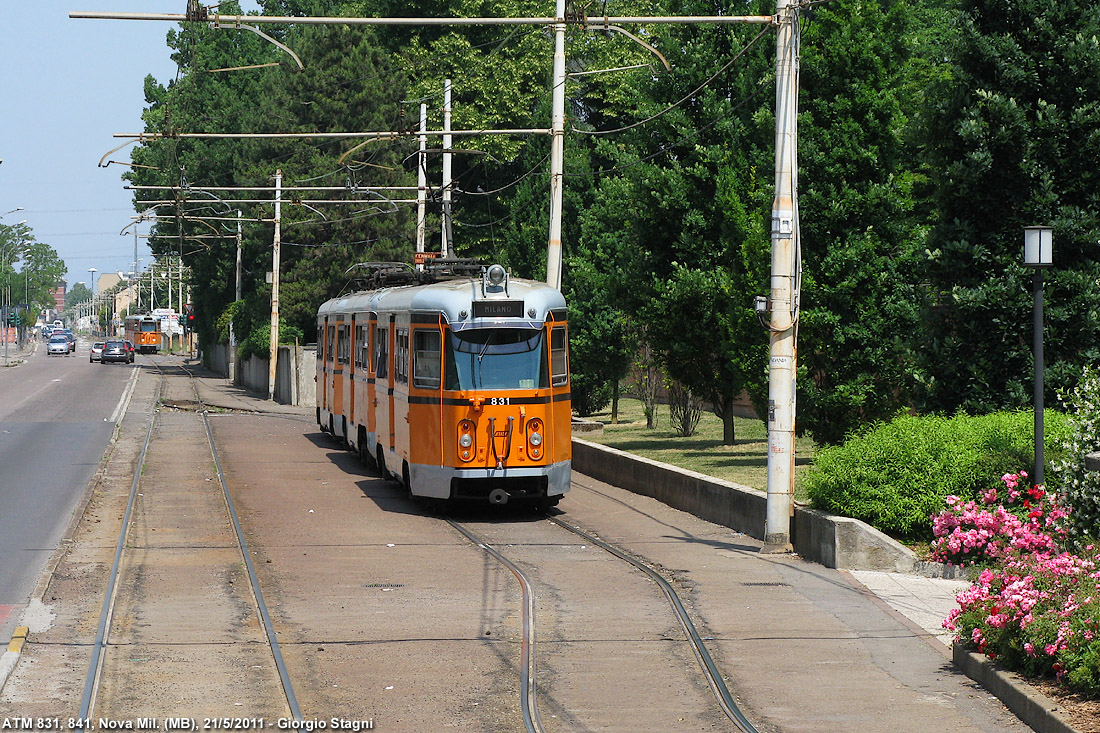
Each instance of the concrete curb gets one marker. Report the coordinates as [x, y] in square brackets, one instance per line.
[831, 540]
[1032, 707]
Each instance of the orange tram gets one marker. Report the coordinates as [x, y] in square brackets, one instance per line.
[453, 380]
[143, 331]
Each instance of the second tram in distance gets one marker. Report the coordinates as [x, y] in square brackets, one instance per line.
[455, 382]
[143, 331]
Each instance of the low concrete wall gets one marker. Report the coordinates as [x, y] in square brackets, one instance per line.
[833, 541]
[294, 373]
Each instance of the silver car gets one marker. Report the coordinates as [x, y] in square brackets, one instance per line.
[96, 352]
[57, 345]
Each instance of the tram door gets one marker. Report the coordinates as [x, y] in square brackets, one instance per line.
[383, 393]
[330, 365]
[389, 384]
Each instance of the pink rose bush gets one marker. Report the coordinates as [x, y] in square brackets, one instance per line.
[1035, 607]
[1028, 520]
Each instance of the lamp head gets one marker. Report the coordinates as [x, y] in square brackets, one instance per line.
[1038, 246]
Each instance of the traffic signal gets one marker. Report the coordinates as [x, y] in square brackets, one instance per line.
[188, 319]
[12, 318]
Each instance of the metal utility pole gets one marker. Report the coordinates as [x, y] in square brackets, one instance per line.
[446, 247]
[785, 276]
[237, 297]
[421, 181]
[557, 149]
[273, 361]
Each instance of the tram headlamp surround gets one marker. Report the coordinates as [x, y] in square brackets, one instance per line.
[497, 275]
[466, 440]
[534, 436]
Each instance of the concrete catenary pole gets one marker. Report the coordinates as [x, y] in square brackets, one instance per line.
[274, 351]
[237, 294]
[557, 149]
[784, 288]
[421, 181]
[446, 246]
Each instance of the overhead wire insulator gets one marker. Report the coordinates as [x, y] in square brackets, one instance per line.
[196, 12]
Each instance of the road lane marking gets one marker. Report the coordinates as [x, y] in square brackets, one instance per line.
[124, 400]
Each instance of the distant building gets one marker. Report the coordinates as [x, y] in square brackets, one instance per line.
[58, 294]
[106, 281]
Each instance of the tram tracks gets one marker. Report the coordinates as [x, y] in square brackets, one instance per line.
[181, 533]
[529, 692]
[526, 667]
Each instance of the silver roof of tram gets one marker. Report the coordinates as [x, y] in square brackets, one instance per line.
[455, 300]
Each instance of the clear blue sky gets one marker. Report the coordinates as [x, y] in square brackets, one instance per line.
[66, 86]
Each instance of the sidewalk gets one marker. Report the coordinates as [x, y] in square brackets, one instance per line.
[926, 602]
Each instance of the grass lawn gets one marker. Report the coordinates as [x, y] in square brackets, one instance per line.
[744, 463]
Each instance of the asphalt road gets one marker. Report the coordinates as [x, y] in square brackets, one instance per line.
[55, 423]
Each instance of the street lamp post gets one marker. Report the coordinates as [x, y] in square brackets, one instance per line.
[1038, 242]
[92, 271]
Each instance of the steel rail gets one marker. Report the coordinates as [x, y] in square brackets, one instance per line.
[529, 698]
[710, 669]
[95, 665]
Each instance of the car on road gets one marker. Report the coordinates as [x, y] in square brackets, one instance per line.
[114, 351]
[69, 335]
[58, 345]
[130, 349]
[96, 352]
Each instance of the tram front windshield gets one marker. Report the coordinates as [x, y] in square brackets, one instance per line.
[496, 358]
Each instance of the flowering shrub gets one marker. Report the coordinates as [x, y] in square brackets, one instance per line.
[1079, 487]
[1035, 607]
[1028, 520]
[1038, 613]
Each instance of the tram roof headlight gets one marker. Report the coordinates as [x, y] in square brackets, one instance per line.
[496, 275]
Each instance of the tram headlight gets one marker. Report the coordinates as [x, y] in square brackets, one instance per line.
[466, 440]
[534, 438]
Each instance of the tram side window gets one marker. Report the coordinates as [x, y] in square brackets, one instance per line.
[401, 356]
[559, 356]
[426, 348]
[330, 343]
[381, 353]
[343, 345]
[361, 350]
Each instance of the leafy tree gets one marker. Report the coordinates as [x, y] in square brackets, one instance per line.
[347, 85]
[40, 267]
[78, 293]
[1013, 132]
[859, 221]
[709, 339]
[678, 217]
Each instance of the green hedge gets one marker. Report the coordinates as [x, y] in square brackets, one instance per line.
[896, 475]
